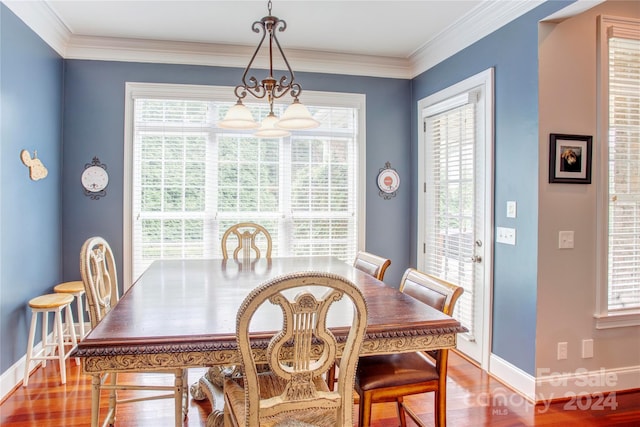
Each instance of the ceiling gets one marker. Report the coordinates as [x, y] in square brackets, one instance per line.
[398, 38]
[380, 28]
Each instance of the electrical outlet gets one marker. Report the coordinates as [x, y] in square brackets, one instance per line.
[562, 350]
[587, 349]
[565, 240]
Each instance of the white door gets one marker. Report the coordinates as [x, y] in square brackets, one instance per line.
[455, 219]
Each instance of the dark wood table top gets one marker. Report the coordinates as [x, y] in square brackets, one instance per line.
[184, 305]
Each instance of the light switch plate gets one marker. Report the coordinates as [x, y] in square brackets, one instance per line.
[511, 209]
[506, 235]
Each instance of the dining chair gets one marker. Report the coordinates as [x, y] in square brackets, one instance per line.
[371, 264]
[251, 237]
[292, 391]
[99, 276]
[391, 377]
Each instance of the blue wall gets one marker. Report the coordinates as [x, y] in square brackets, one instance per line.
[94, 126]
[513, 52]
[31, 89]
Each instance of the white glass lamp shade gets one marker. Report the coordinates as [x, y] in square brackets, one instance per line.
[238, 117]
[297, 117]
[268, 128]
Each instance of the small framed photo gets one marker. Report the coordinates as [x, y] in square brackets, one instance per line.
[570, 159]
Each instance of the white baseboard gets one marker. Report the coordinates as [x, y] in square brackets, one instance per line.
[563, 385]
[14, 376]
[581, 385]
[514, 377]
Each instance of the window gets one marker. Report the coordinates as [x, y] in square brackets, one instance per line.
[191, 180]
[619, 207]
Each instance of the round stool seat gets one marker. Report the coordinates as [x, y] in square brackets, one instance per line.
[51, 300]
[69, 287]
[75, 288]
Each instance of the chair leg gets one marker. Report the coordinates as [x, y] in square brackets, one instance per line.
[113, 398]
[72, 331]
[32, 334]
[57, 319]
[45, 332]
[178, 397]
[364, 419]
[185, 392]
[401, 414]
[440, 410]
[80, 316]
[331, 376]
[96, 381]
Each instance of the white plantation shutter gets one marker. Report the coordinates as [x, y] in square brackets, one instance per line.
[450, 205]
[192, 180]
[624, 170]
[322, 206]
[170, 173]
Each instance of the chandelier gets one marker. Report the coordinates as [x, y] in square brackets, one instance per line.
[296, 116]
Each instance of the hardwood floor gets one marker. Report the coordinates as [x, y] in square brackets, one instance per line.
[474, 399]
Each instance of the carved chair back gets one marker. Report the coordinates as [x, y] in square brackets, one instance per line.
[298, 355]
[100, 278]
[250, 239]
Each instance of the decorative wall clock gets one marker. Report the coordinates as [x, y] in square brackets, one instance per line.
[388, 182]
[95, 179]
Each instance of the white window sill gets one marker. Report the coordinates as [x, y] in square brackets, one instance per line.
[617, 320]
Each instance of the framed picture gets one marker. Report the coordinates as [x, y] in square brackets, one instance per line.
[570, 158]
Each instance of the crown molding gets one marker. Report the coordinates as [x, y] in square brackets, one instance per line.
[38, 16]
[486, 18]
[171, 52]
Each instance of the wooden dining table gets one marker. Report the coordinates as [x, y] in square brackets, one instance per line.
[182, 314]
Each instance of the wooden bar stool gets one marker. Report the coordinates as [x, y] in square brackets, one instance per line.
[75, 288]
[45, 304]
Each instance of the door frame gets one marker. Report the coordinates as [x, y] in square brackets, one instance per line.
[485, 78]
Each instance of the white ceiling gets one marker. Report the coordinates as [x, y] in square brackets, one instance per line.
[381, 28]
[390, 38]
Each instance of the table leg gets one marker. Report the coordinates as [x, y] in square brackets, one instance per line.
[216, 397]
[210, 387]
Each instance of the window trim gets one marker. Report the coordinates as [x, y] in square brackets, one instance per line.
[225, 93]
[605, 318]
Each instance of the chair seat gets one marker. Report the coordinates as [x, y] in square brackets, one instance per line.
[270, 386]
[394, 370]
